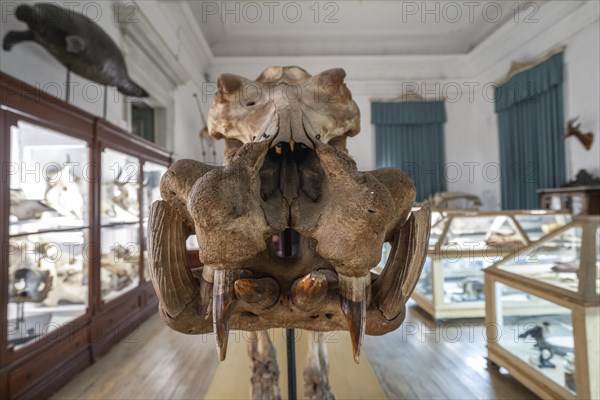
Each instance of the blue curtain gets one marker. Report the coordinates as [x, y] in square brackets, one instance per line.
[410, 136]
[531, 124]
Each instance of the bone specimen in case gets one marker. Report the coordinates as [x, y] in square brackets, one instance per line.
[63, 195]
[286, 168]
[26, 209]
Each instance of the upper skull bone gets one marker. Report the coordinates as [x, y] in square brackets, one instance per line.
[284, 104]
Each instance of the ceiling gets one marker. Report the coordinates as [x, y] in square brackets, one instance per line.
[354, 27]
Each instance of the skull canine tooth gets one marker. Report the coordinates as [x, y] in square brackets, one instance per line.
[310, 291]
[353, 298]
[262, 293]
[223, 302]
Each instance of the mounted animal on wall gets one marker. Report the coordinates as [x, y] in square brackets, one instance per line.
[287, 170]
[586, 139]
[76, 42]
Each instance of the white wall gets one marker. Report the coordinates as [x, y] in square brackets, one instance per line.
[582, 97]
[575, 25]
[166, 66]
[29, 62]
[471, 133]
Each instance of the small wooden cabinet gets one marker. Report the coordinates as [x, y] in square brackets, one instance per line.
[74, 198]
[579, 200]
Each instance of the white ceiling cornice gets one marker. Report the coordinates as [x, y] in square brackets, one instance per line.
[359, 68]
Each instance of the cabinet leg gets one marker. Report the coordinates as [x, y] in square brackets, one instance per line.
[491, 364]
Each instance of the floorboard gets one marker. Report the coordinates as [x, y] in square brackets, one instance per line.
[421, 360]
[444, 360]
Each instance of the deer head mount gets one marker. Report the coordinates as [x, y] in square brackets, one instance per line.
[286, 168]
[586, 139]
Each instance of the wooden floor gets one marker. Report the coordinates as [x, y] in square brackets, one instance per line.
[421, 360]
[428, 360]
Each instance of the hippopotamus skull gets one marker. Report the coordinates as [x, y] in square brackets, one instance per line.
[286, 169]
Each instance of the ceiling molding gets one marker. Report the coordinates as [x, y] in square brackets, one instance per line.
[198, 46]
[361, 68]
[143, 35]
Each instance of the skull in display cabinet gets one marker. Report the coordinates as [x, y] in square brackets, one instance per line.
[287, 173]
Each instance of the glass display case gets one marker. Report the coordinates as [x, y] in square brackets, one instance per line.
[543, 312]
[74, 195]
[462, 244]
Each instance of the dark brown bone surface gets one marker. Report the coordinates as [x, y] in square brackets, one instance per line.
[286, 168]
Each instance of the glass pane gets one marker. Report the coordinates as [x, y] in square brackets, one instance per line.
[145, 261]
[482, 232]
[152, 174]
[120, 260]
[49, 175]
[424, 284]
[555, 261]
[463, 278]
[538, 332]
[538, 225]
[119, 196]
[48, 284]
[438, 222]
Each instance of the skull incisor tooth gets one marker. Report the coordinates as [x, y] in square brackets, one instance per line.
[309, 291]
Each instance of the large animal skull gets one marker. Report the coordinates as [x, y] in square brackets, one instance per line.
[286, 167]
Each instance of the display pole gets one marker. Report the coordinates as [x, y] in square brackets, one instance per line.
[287, 250]
[104, 106]
[68, 84]
[291, 363]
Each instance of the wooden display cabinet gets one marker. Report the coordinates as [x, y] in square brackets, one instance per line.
[74, 196]
[463, 243]
[555, 352]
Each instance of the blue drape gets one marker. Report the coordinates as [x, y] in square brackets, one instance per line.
[410, 136]
[530, 124]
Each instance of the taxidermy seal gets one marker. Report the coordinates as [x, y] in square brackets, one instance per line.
[77, 42]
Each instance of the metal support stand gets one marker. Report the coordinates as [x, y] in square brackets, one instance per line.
[68, 84]
[105, 103]
[291, 362]
[287, 251]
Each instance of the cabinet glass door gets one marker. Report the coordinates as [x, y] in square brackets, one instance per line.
[538, 332]
[48, 280]
[152, 175]
[120, 219]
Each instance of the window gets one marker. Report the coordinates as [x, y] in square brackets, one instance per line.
[142, 120]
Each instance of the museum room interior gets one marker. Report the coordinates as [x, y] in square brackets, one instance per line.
[402, 199]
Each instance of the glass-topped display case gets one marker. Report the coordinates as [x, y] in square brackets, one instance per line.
[464, 242]
[543, 312]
